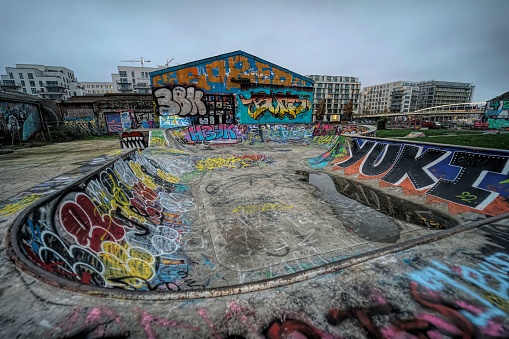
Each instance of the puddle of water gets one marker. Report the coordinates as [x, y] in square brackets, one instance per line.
[361, 220]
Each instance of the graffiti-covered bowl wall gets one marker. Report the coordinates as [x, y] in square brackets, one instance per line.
[465, 179]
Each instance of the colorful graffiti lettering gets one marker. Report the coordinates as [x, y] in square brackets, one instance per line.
[462, 178]
[279, 105]
[220, 133]
[216, 75]
[180, 100]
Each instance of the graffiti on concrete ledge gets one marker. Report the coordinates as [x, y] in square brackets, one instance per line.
[466, 180]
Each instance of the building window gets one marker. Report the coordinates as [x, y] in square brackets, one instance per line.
[11, 76]
[22, 82]
[24, 90]
[21, 75]
[122, 73]
[33, 90]
[30, 75]
[32, 83]
[132, 74]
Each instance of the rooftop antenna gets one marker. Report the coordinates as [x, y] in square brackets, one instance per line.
[140, 59]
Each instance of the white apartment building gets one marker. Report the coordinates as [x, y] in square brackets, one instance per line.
[48, 82]
[395, 97]
[336, 91]
[131, 79]
[97, 87]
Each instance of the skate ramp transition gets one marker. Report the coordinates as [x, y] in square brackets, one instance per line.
[186, 221]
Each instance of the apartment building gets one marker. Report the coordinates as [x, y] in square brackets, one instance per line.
[408, 96]
[94, 88]
[48, 82]
[392, 97]
[437, 93]
[335, 92]
[131, 79]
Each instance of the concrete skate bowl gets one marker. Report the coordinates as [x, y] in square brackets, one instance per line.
[201, 221]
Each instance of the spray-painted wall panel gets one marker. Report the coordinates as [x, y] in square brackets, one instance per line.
[467, 180]
[497, 109]
[264, 92]
[284, 105]
[19, 120]
[216, 74]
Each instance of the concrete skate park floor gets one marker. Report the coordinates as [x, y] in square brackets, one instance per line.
[264, 222]
[249, 224]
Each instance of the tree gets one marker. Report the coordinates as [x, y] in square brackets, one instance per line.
[381, 123]
[320, 112]
[348, 109]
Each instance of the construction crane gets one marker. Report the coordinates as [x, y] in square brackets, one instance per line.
[140, 59]
[168, 62]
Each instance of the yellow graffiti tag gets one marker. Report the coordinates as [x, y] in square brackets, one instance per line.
[262, 208]
[167, 176]
[126, 265]
[219, 162]
[147, 180]
[17, 206]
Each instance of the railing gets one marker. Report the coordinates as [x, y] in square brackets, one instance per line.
[11, 84]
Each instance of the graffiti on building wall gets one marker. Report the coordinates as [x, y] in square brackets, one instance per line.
[113, 122]
[180, 100]
[85, 125]
[221, 109]
[128, 120]
[498, 124]
[275, 106]
[78, 113]
[19, 119]
[191, 102]
[173, 121]
[216, 75]
[466, 180]
[213, 133]
[497, 109]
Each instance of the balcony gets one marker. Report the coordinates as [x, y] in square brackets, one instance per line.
[124, 82]
[124, 89]
[141, 85]
[9, 84]
[53, 85]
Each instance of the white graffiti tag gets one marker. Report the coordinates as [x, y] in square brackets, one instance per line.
[180, 101]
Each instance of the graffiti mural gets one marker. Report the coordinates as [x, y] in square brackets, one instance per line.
[134, 139]
[215, 133]
[84, 125]
[275, 106]
[173, 121]
[465, 179]
[113, 122]
[127, 226]
[19, 120]
[192, 103]
[497, 109]
[221, 108]
[216, 74]
[180, 100]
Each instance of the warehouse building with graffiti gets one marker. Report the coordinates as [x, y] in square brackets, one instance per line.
[232, 88]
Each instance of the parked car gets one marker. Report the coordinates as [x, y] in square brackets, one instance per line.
[429, 124]
[479, 124]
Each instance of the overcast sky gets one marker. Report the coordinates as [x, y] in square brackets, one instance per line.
[377, 41]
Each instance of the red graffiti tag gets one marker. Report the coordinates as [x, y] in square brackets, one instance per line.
[84, 222]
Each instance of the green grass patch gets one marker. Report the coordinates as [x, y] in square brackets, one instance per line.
[453, 137]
